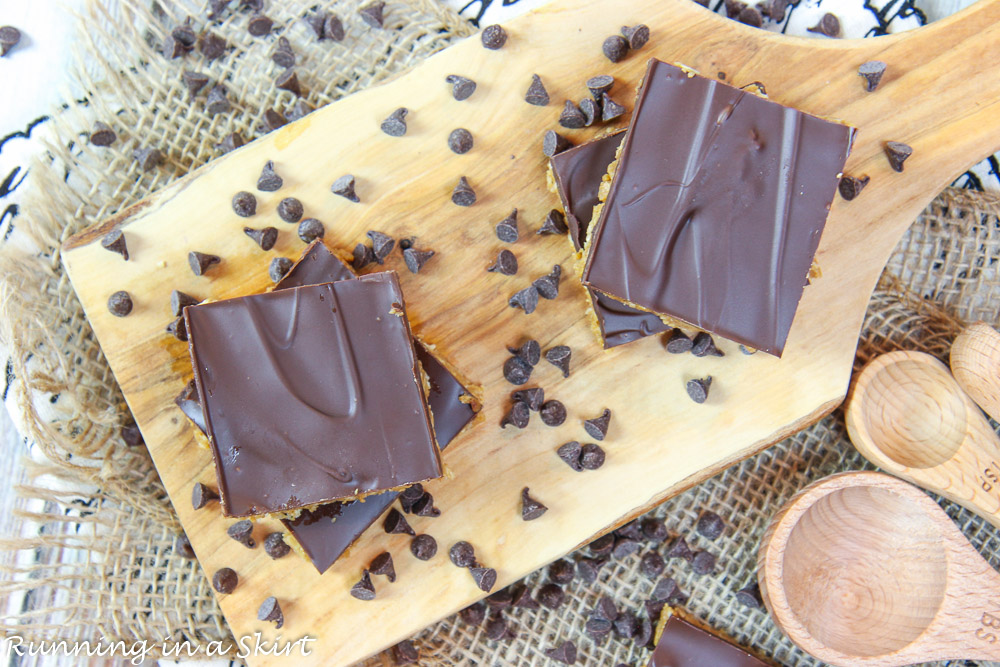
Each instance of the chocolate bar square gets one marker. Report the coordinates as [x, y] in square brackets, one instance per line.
[311, 394]
[684, 645]
[716, 207]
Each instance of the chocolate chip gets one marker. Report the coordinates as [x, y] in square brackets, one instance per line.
[610, 110]
[590, 111]
[897, 153]
[344, 186]
[182, 547]
[636, 35]
[564, 653]
[244, 204]
[202, 495]
[201, 262]
[212, 46]
[751, 17]
[872, 72]
[850, 187]
[185, 35]
[333, 28]
[521, 597]
[531, 509]
[643, 633]
[270, 610]
[653, 530]
[115, 242]
[615, 48]
[703, 563]
[268, 181]
[589, 568]
[506, 229]
[9, 38]
[382, 564]
[405, 653]
[242, 532]
[597, 427]
[829, 25]
[460, 141]
[415, 259]
[749, 596]
[463, 194]
[562, 571]
[625, 547]
[461, 88]
[626, 624]
[280, 266]
[554, 143]
[516, 371]
[559, 356]
[178, 329]
[310, 229]
[679, 549]
[424, 506]
[599, 85]
[275, 547]
[363, 256]
[290, 209]
[551, 596]
[283, 55]
[225, 580]
[605, 610]
[273, 120]
[533, 397]
[571, 116]
[592, 456]
[553, 413]
[474, 614]
[548, 285]
[485, 577]
[231, 142]
[364, 590]
[316, 21]
[148, 158]
[496, 628]
[555, 223]
[172, 48]
[265, 237]
[570, 453]
[501, 599]
[102, 135]
[259, 25]
[423, 547]
[120, 303]
[678, 342]
[194, 81]
[289, 80]
[651, 565]
[372, 14]
[506, 263]
[395, 124]
[526, 299]
[597, 629]
[462, 554]
[775, 10]
[529, 350]
[630, 530]
[131, 434]
[517, 416]
[698, 388]
[395, 523]
[536, 93]
[654, 608]
[409, 496]
[494, 37]
[382, 245]
[710, 525]
[703, 346]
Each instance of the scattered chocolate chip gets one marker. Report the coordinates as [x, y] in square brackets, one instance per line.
[750, 16]
[372, 14]
[532, 397]
[599, 85]
[850, 187]
[703, 563]
[289, 80]
[589, 568]
[592, 456]
[548, 285]
[626, 624]
[463, 194]
[409, 496]
[494, 37]
[231, 142]
[521, 597]
[590, 111]
[201, 262]
[194, 81]
[653, 530]
[749, 596]
[625, 547]
[485, 577]
[424, 506]
[182, 547]
[643, 633]
[364, 590]
[382, 564]
[710, 525]
[290, 209]
[171, 48]
[555, 223]
[259, 25]
[897, 153]
[829, 25]
[506, 229]
[597, 427]
[496, 628]
[184, 34]
[570, 453]
[636, 35]
[395, 523]
[615, 48]
[630, 530]
[564, 653]
[551, 595]
[333, 28]
[516, 371]
[872, 72]
[703, 345]
[275, 547]
[506, 263]
[461, 88]
[678, 342]
[395, 124]
[531, 509]
[651, 565]
[363, 256]
[654, 608]
[517, 416]
[460, 141]
[462, 554]
[9, 38]
[265, 237]
[559, 356]
[597, 629]
[310, 229]
[225, 580]
[536, 93]
[405, 653]
[148, 158]
[679, 549]
[553, 413]
[178, 329]
[344, 186]
[501, 599]
[244, 204]
[526, 299]
[120, 303]
[131, 435]
[242, 532]
[698, 388]
[382, 245]
[115, 242]
[102, 135]
[610, 110]
[273, 120]
[474, 614]
[423, 547]
[212, 46]
[554, 143]
[529, 350]
[315, 21]
[202, 495]
[775, 10]
[562, 571]
[279, 267]
[605, 609]
[415, 259]
[283, 55]
[571, 117]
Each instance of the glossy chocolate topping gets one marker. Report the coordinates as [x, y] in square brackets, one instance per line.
[311, 394]
[684, 645]
[717, 207]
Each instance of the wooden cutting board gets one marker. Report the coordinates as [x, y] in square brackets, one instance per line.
[941, 95]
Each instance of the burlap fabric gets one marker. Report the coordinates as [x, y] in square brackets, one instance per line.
[94, 554]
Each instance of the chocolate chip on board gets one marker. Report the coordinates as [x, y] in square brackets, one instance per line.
[415, 259]
[275, 547]
[424, 506]
[506, 229]
[244, 204]
[202, 495]
[382, 564]
[526, 299]
[423, 547]
[364, 590]
[396, 523]
[395, 124]
[698, 388]
[554, 143]
[610, 110]
[554, 223]
[102, 135]
[571, 117]
[225, 580]
[517, 416]
[463, 194]
[382, 245]
[559, 356]
[703, 345]
[278, 268]
[311, 229]
[531, 508]
[529, 350]
[897, 153]
[872, 72]
[461, 87]
[850, 186]
[201, 262]
[506, 263]
[592, 456]
[536, 94]
[590, 110]
[290, 209]
[363, 256]
[615, 48]
[115, 242]
[829, 25]
[516, 371]
[460, 141]
[553, 413]
[570, 454]
[269, 180]
[548, 285]
[178, 329]
[534, 397]
[600, 84]
[462, 554]
[242, 532]
[485, 577]
[265, 237]
[344, 186]
[597, 428]
[494, 37]
[636, 35]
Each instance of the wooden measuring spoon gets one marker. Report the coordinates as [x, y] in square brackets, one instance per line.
[861, 568]
[975, 363]
[908, 415]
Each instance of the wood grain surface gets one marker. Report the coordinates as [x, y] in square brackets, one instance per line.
[941, 95]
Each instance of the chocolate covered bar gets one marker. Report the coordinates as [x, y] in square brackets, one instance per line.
[681, 644]
[716, 206]
[578, 174]
[311, 394]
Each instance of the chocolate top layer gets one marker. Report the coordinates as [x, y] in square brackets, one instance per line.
[684, 645]
[578, 173]
[311, 394]
[717, 207]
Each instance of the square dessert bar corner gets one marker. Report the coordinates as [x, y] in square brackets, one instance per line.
[311, 394]
[716, 207]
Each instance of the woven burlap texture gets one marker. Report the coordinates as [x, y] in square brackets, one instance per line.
[102, 561]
